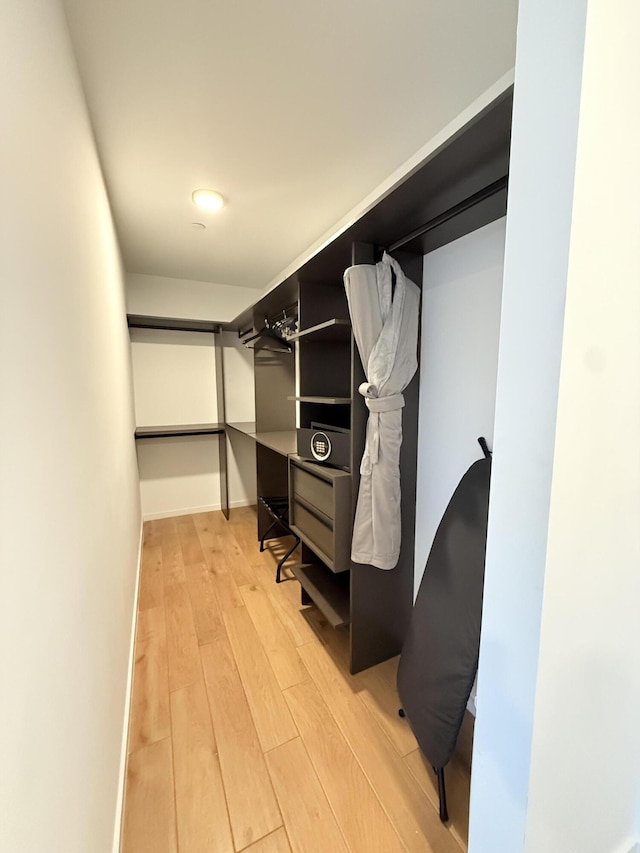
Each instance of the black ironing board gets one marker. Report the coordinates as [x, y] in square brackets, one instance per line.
[440, 656]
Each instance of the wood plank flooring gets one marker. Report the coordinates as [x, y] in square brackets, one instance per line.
[247, 731]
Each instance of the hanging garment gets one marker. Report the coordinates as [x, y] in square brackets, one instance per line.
[385, 325]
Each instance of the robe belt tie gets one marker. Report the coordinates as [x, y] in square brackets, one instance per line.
[376, 405]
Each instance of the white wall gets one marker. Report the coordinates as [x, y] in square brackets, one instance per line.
[175, 383]
[160, 296]
[239, 390]
[70, 518]
[543, 150]
[555, 753]
[462, 286]
[174, 377]
[585, 768]
[179, 476]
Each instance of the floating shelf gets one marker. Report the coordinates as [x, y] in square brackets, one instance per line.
[331, 330]
[173, 324]
[283, 441]
[329, 401]
[184, 429]
[245, 427]
[329, 592]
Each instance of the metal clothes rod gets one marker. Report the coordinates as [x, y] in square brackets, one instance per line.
[271, 320]
[460, 207]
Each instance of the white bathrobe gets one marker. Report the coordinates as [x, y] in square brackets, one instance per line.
[386, 332]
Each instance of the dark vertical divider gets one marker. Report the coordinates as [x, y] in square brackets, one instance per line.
[275, 383]
[381, 601]
[323, 365]
[222, 438]
[321, 300]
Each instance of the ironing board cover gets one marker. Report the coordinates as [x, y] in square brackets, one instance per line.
[440, 656]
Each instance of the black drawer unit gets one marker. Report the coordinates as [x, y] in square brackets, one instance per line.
[320, 510]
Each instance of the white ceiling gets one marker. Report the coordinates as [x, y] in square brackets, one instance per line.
[292, 109]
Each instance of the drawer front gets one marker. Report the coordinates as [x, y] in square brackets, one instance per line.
[313, 490]
[319, 533]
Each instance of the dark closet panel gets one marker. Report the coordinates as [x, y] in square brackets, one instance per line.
[275, 385]
[222, 444]
[272, 476]
[322, 300]
[325, 368]
[381, 601]
[275, 411]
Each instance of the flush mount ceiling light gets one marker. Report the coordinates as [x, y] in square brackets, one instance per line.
[208, 199]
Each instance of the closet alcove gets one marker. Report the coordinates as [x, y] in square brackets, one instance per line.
[458, 188]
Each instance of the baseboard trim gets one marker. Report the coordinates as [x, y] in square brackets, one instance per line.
[174, 513]
[245, 502]
[118, 828]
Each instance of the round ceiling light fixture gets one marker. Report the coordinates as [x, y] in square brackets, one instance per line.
[208, 199]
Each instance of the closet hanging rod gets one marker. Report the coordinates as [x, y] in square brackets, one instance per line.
[460, 207]
[269, 320]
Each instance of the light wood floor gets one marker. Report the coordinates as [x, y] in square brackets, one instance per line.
[247, 732]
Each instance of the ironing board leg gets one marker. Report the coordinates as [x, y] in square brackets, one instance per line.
[442, 795]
